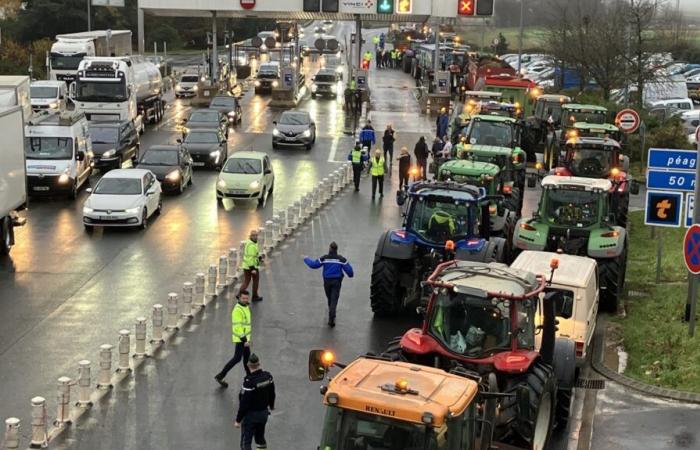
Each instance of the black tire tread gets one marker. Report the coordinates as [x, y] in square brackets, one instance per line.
[384, 287]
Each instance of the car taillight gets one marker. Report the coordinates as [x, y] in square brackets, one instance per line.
[527, 226]
[579, 349]
[401, 234]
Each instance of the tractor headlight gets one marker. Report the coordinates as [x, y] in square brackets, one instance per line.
[109, 153]
[257, 83]
[314, 88]
[275, 84]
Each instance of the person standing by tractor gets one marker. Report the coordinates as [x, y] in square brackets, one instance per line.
[335, 267]
[447, 148]
[250, 263]
[442, 122]
[241, 332]
[256, 401]
[367, 135]
[388, 143]
[377, 169]
[357, 158]
[404, 168]
[421, 153]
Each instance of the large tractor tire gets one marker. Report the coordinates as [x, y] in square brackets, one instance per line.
[514, 202]
[623, 206]
[6, 235]
[386, 294]
[612, 280]
[566, 373]
[393, 351]
[508, 233]
[534, 425]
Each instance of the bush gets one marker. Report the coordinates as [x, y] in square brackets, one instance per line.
[14, 58]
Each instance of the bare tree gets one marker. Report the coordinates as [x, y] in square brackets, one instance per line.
[9, 8]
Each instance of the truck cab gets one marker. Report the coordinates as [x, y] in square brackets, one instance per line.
[48, 95]
[58, 152]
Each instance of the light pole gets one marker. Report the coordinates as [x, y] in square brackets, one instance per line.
[89, 14]
[520, 36]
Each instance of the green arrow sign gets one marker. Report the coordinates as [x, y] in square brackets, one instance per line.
[385, 6]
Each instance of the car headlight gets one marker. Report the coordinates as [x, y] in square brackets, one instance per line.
[275, 132]
[195, 88]
[339, 69]
[63, 178]
[306, 133]
[173, 176]
[132, 210]
[215, 153]
[53, 105]
[314, 88]
[255, 184]
[275, 84]
[88, 210]
[178, 87]
[257, 83]
[221, 183]
[109, 153]
[334, 88]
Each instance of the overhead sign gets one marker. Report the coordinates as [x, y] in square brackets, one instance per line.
[689, 209]
[360, 6]
[691, 249]
[663, 209]
[385, 6]
[404, 7]
[671, 180]
[667, 158]
[628, 120]
[247, 4]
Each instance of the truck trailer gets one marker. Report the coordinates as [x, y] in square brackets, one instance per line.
[13, 177]
[69, 49]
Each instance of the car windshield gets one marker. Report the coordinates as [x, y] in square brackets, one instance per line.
[104, 135]
[228, 102]
[294, 119]
[268, 74]
[61, 62]
[569, 207]
[160, 158]
[591, 162]
[100, 91]
[48, 148]
[476, 326]
[498, 134]
[438, 221]
[325, 78]
[248, 166]
[204, 116]
[586, 116]
[189, 79]
[195, 137]
[118, 186]
[43, 92]
[350, 430]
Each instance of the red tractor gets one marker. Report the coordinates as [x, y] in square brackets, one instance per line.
[481, 321]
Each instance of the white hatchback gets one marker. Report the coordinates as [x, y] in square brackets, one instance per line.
[246, 175]
[123, 198]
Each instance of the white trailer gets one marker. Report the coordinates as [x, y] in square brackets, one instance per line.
[15, 91]
[13, 177]
[69, 49]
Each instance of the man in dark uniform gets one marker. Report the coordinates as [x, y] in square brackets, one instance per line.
[257, 399]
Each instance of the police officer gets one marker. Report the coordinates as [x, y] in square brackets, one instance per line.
[241, 332]
[335, 267]
[358, 159]
[257, 399]
[377, 169]
[250, 263]
[367, 135]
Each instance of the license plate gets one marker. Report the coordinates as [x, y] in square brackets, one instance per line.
[198, 164]
[41, 188]
[106, 218]
[236, 191]
[289, 139]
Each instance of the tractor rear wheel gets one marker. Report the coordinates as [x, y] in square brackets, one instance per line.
[386, 294]
[612, 280]
[514, 202]
[393, 351]
[623, 207]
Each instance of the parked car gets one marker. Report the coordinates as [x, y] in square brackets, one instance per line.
[229, 106]
[246, 175]
[187, 86]
[691, 120]
[123, 198]
[294, 128]
[113, 144]
[206, 119]
[325, 82]
[206, 147]
[171, 164]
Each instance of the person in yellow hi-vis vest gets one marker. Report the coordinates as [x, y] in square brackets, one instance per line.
[241, 332]
[250, 263]
[377, 170]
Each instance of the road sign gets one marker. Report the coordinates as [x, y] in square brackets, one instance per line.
[689, 209]
[466, 8]
[247, 4]
[691, 249]
[663, 209]
[670, 180]
[404, 7]
[385, 7]
[627, 120]
[667, 158]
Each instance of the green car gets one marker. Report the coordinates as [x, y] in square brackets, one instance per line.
[576, 217]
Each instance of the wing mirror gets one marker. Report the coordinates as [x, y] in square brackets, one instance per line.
[563, 304]
[274, 122]
[88, 190]
[80, 156]
[400, 197]
[267, 172]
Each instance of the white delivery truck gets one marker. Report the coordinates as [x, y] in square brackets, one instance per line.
[69, 49]
[13, 180]
[47, 94]
[15, 91]
[58, 153]
[128, 88]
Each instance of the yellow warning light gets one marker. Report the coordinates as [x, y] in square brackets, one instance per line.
[328, 358]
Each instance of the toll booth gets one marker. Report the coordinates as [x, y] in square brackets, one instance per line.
[441, 95]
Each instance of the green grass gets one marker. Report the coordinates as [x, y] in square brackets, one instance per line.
[655, 337]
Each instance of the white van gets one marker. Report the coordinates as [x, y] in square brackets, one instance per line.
[48, 95]
[58, 150]
[577, 277]
[691, 120]
[682, 104]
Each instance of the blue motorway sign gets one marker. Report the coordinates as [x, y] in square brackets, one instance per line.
[671, 180]
[664, 209]
[666, 158]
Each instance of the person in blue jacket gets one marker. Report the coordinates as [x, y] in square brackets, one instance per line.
[335, 267]
[367, 136]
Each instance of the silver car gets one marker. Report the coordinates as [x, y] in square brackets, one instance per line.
[294, 128]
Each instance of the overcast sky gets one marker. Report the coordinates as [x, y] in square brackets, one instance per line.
[693, 5]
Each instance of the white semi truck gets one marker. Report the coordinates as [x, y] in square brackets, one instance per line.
[69, 49]
[128, 88]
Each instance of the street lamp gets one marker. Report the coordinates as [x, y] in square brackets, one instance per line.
[520, 36]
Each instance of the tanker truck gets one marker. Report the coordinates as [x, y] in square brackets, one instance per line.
[127, 88]
[69, 49]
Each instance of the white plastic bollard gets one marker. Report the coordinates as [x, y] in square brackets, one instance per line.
[124, 349]
[275, 230]
[348, 172]
[291, 219]
[63, 400]
[157, 318]
[335, 176]
[104, 379]
[269, 235]
[187, 289]
[223, 274]
[211, 283]
[12, 433]
[300, 210]
[140, 336]
[232, 264]
[84, 383]
[199, 288]
[327, 190]
[40, 436]
[171, 322]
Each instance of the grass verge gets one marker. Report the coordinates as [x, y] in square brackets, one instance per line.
[655, 336]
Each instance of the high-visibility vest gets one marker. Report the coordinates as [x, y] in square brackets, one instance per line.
[240, 323]
[394, 54]
[377, 167]
[353, 84]
[356, 156]
[250, 255]
[375, 40]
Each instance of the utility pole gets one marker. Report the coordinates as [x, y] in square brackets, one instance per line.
[520, 35]
[89, 14]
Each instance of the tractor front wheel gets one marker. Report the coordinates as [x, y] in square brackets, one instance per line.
[386, 295]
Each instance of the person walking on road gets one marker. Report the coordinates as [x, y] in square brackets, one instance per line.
[421, 153]
[377, 169]
[335, 267]
[250, 263]
[357, 158]
[388, 143]
[367, 135]
[240, 335]
[256, 401]
[404, 168]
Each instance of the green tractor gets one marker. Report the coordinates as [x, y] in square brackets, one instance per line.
[545, 119]
[575, 215]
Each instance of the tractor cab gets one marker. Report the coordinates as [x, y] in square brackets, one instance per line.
[546, 118]
[594, 130]
[572, 113]
[593, 157]
[493, 130]
[464, 111]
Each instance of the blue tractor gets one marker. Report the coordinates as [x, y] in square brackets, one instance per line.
[442, 221]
